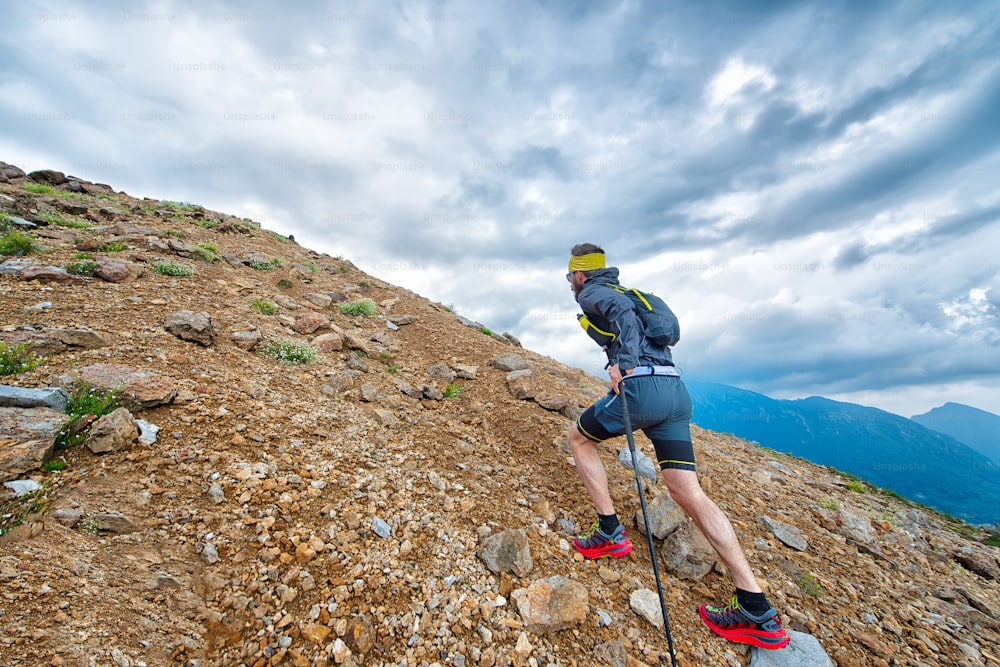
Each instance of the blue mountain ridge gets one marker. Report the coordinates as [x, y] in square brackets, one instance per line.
[976, 428]
[887, 450]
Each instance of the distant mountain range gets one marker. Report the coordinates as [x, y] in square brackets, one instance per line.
[893, 452]
[974, 427]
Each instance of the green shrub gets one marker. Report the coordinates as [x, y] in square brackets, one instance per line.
[54, 464]
[364, 307]
[54, 219]
[5, 222]
[289, 351]
[829, 503]
[264, 306]
[284, 284]
[86, 267]
[809, 585]
[207, 252]
[486, 331]
[85, 399]
[114, 246]
[392, 369]
[16, 359]
[857, 487]
[266, 265]
[16, 243]
[174, 233]
[186, 207]
[207, 224]
[277, 237]
[169, 268]
[452, 391]
[40, 188]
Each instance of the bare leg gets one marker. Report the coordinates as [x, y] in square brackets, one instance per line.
[591, 470]
[713, 524]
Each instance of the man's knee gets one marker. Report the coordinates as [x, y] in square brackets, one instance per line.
[684, 487]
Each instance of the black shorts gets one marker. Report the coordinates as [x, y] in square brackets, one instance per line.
[659, 406]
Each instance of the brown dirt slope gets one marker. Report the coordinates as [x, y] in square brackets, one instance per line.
[307, 457]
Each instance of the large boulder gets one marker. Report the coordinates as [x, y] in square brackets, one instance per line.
[28, 436]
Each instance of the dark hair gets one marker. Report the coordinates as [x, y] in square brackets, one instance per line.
[585, 249]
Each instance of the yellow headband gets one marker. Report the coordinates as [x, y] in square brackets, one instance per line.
[594, 260]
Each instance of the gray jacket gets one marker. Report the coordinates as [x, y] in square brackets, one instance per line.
[612, 311]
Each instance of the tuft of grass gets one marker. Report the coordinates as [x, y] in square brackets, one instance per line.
[14, 511]
[284, 284]
[363, 307]
[86, 267]
[312, 266]
[829, 503]
[277, 237]
[17, 244]
[857, 487]
[486, 331]
[40, 189]
[392, 369]
[289, 351]
[5, 222]
[174, 233]
[85, 399]
[59, 221]
[809, 585]
[262, 265]
[264, 306]
[16, 359]
[114, 246]
[207, 224]
[207, 252]
[170, 268]
[452, 391]
[186, 207]
[54, 465]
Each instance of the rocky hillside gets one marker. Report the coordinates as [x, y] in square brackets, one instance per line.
[404, 497]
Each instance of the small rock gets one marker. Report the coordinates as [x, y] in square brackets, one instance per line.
[510, 362]
[787, 533]
[381, 528]
[114, 522]
[507, 552]
[646, 604]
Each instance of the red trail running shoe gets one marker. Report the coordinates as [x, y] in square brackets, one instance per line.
[735, 624]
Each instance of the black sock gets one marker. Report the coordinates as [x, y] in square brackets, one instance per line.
[753, 603]
[608, 523]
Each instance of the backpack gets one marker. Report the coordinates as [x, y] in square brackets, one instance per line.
[659, 322]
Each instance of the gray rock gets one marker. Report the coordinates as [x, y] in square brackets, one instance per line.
[552, 604]
[521, 384]
[113, 432]
[687, 554]
[665, 516]
[441, 371]
[216, 493]
[431, 392]
[191, 326]
[647, 467]
[12, 267]
[68, 516]
[465, 372]
[510, 362]
[85, 338]
[209, 553]
[646, 604]
[803, 650]
[114, 522]
[507, 552]
[369, 393]
[22, 486]
[381, 528]
[603, 618]
[21, 397]
[246, 340]
[858, 528]
[113, 271]
[786, 533]
[33, 432]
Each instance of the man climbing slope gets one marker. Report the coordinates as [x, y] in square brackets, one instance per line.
[660, 407]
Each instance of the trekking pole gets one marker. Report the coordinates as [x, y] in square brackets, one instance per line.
[645, 519]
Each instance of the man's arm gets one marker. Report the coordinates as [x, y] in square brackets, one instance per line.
[617, 309]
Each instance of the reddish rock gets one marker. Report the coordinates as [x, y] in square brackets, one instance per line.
[309, 321]
[49, 274]
[113, 271]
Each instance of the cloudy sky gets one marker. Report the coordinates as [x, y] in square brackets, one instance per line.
[811, 186]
